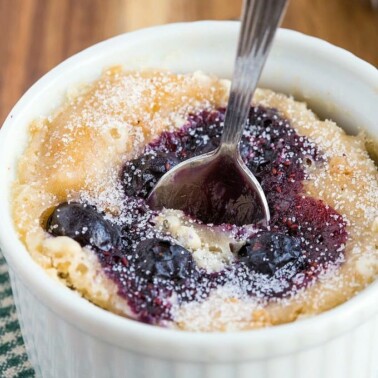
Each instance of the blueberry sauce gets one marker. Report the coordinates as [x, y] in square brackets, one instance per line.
[304, 237]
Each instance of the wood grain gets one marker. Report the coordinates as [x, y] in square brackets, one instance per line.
[38, 34]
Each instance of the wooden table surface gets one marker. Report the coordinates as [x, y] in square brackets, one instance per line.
[38, 34]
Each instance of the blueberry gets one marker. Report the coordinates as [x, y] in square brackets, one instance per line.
[158, 258]
[268, 252]
[140, 175]
[85, 225]
[198, 144]
[205, 137]
[200, 148]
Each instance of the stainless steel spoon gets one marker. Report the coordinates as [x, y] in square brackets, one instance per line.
[217, 187]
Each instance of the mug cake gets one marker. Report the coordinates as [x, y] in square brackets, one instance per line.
[79, 205]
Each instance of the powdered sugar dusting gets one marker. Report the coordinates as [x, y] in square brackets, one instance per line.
[319, 182]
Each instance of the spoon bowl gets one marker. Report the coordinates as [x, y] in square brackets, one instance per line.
[216, 188]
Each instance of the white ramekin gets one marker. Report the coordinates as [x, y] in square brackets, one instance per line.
[66, 336]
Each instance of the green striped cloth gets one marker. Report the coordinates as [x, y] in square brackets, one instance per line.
[13, 359]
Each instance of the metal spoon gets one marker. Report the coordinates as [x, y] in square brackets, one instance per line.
[217, 187]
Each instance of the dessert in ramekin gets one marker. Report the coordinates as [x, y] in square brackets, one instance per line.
[80, 205]
[114, 344]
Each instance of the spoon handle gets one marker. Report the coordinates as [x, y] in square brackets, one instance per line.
[260, 20]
